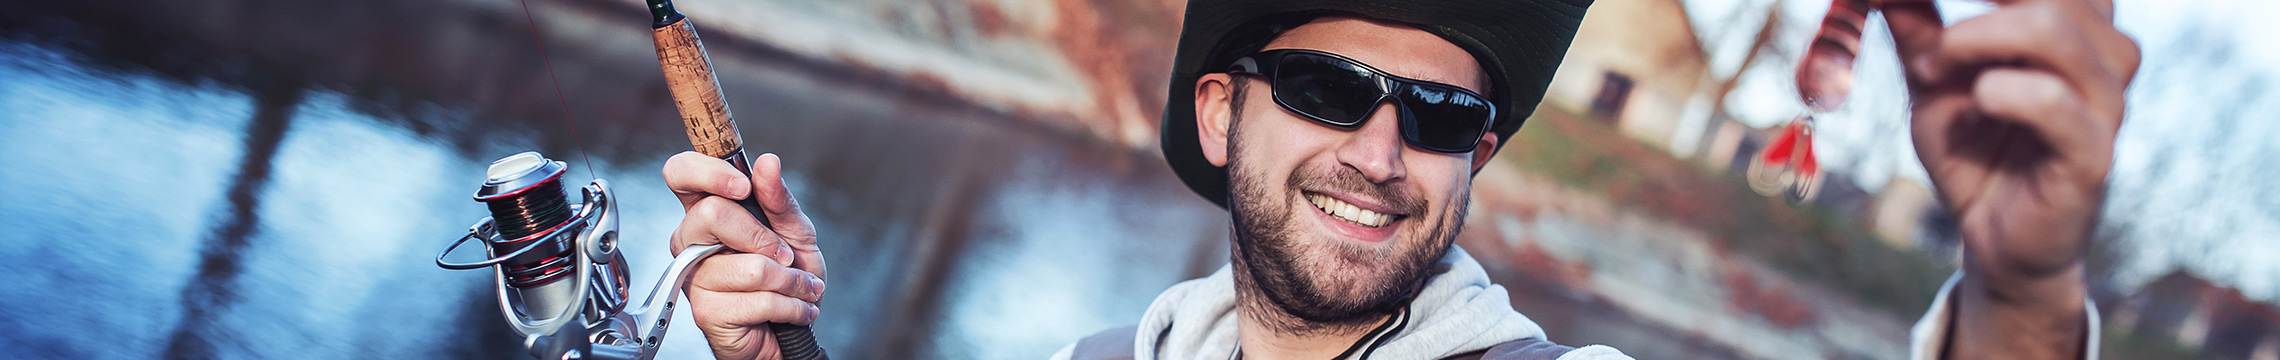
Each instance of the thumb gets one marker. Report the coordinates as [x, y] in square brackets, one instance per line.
[1916, 30]
[775, 198]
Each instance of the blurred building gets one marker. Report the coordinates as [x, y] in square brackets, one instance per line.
[1639, 65]
[1636, 63]
[2216, 321]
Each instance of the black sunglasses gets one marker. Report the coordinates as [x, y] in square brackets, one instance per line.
[1342, 92]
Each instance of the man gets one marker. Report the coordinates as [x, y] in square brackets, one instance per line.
[1342, 136]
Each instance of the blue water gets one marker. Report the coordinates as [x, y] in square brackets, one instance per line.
[956, 239]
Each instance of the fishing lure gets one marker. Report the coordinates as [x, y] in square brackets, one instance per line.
[1786, 166]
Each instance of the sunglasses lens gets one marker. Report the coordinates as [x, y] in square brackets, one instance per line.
[1336, 91]
[1445, 119]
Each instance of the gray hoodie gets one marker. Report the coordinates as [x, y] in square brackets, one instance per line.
[1458, 312]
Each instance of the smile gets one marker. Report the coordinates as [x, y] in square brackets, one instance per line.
[1348, 212]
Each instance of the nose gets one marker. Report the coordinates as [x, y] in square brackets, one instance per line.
[1375, 149]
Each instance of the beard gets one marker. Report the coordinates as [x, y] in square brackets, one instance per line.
[1323, 283]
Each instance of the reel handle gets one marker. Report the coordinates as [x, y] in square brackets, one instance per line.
[712, 131]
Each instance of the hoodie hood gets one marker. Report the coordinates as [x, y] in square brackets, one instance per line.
[1459, 311]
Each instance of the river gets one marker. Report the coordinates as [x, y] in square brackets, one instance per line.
[154, 217]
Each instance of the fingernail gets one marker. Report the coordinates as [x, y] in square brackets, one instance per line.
[816, 284]
[812, 312]
[784, 253]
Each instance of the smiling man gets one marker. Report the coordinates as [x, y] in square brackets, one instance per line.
[1342, 136]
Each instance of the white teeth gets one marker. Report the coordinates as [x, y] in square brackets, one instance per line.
[1348, 212]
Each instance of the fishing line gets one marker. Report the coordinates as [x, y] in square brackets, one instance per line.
[535, 211]
[542, 58]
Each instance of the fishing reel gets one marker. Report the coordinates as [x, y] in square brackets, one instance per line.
[561, 279]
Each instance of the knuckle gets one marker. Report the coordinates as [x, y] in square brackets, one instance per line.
[673, 166]
[678, 166]
[720, 210]
[679, 239]
[773, 276]
[707, 209]
[694, 230]
[797, 287]
[815, 288]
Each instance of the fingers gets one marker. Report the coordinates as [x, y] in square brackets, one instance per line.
[1916, 30]
[718, 220]
[2051, 108]
[729, 310]
[693, 176]
[755, 273]
[2062, 36]
[792, 223]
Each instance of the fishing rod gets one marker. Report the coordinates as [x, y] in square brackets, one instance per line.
[704, 112]
[561, 282]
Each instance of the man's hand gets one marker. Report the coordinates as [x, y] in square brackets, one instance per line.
[774, 275]
[2015, 117]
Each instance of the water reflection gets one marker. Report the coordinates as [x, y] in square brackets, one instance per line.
[198, 219]
[218, 260]
[269, 179]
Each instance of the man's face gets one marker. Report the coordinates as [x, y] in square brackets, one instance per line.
[1337, 225]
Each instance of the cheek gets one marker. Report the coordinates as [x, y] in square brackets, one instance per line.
[1442, 177]
[1270, 140]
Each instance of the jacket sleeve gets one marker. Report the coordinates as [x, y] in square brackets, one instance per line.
[1929, 337]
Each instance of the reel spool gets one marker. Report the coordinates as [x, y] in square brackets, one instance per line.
[524, 192]
[561, 282]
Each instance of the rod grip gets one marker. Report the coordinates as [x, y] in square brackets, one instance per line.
[696, 91]
[712, 131]
[797, 342]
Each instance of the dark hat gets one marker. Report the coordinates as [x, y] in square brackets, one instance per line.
[1519, 42]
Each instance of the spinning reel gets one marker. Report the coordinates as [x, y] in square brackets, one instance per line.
[562, 283]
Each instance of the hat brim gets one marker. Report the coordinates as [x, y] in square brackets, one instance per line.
[1518, 42]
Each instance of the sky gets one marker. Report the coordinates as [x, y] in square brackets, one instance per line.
[2191, 186]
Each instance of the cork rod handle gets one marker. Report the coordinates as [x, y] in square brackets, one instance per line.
[696, 91]
[712, 130]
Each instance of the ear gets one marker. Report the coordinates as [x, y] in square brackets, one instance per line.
[1213, 113]
[1485, 149]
